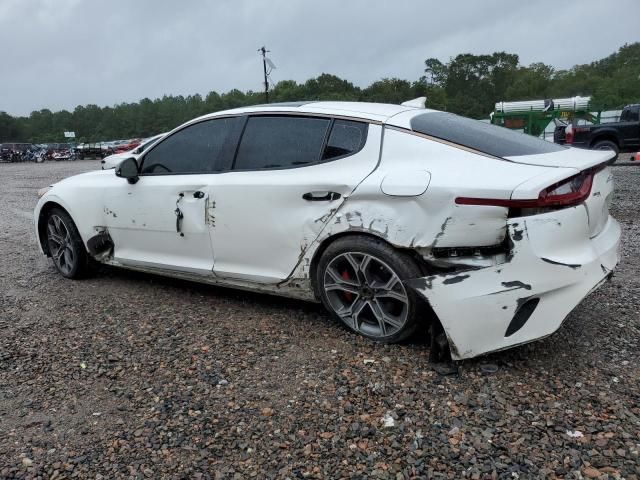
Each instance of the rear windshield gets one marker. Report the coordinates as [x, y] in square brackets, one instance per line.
[484, 137]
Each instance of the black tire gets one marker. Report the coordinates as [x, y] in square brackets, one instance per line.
[384, 261]
[73, 261]
[607, 145]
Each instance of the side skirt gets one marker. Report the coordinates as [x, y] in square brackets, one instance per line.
[292, 288]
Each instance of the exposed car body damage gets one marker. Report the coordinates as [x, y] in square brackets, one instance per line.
[476, 311]
[542, 246]
[494, 276]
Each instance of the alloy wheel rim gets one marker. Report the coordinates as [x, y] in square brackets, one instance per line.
[60, 244]
[366, 294]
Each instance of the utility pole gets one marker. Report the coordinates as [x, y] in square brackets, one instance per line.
[264, 51]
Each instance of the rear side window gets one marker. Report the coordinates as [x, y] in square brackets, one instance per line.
[281, 142]
[346, 138]
[203, 147]
[484, 137]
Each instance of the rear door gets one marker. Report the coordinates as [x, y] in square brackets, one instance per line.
[290, 175]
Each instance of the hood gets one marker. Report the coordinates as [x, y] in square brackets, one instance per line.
[81, 178]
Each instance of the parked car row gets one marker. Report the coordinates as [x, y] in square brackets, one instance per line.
[104, 149]
[27, 152]
[30, 152]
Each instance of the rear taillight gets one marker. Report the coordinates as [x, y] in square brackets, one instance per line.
[568, 134]
[566, 193]
[572, 191]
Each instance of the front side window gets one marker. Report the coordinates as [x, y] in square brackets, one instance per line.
[281, 142]
[203, 147]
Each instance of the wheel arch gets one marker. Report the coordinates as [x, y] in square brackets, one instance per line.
[429, 318]
[608, 136]
[42, 224]
[326, 242]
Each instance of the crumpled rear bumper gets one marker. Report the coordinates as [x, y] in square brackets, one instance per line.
[553, 266]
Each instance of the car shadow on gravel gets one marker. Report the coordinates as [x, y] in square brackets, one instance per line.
[580, 341]
[212, 291]
[313, 311]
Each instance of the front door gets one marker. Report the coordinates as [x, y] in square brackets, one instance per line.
[162, 220]
[290, 175]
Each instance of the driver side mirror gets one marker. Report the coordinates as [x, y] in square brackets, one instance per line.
[128, 169]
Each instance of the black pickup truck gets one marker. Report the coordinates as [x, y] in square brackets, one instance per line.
[620, 136]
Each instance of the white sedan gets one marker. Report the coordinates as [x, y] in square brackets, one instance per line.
[394, 217]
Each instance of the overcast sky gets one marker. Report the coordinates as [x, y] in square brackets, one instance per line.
[61, 53]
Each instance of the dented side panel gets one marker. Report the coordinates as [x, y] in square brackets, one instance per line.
[431, 219]
[82, 197]
[142, 222]
[262, 227]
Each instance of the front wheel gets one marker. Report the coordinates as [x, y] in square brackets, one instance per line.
[65, 245]
[360, 281]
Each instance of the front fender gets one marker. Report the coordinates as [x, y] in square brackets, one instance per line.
[84, 210]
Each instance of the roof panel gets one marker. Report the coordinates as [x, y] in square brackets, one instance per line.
[371, 111]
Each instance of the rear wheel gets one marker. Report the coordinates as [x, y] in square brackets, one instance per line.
[360, 281]
[65, 245]
[607, 145]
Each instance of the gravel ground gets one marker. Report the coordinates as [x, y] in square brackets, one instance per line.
[133, 376]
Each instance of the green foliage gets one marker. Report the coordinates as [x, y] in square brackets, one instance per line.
[471, 84]
[468, 85]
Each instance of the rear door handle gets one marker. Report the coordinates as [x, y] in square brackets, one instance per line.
[321, 196]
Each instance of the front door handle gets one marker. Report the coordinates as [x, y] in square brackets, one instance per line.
[321, 196]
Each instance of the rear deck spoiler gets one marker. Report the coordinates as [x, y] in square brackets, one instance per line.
[577, 158]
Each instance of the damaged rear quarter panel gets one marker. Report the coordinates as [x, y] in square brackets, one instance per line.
[431, 219]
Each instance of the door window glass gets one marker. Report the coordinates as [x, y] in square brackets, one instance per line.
[346, 138]
[281, 142]
[203, 147]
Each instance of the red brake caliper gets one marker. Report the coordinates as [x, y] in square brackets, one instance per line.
[347, 295]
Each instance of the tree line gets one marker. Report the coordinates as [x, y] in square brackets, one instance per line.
[467, 84]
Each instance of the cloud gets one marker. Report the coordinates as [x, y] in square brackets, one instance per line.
[61, 53]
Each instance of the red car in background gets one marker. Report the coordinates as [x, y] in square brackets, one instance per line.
[130, 145]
